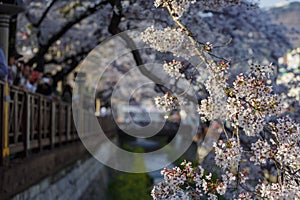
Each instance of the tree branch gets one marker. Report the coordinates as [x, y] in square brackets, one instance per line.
[44, 14]
[114, 29]
[75, 60]
[43, 48]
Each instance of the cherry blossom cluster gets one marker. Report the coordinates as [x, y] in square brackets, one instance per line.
[169, 40]
[187, 182]
[174, 69]
[284, 149]
[229, 177]
[287, 154]
[228, 154]
[287, 143]
[249, 113]
[168, 102]
[278, 191]
[206, 108]
[287, 130]
[242, 176]
[249, 104]
[208, 47]
[214, 107]
[251, 100]
[178, 7]
[245, 196]
[246, 103]
[262, 72]
[261, 152]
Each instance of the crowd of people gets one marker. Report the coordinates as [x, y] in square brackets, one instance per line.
[17, 72]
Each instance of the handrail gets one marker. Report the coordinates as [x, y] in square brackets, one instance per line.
[35, 122]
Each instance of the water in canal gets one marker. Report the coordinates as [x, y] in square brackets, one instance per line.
[130, 186]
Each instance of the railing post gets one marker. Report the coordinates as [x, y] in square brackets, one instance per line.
[40, 123]
[68, 122]
[5, 149]
[2, 123]
[26, 123]
[53, 124]
[59, 123]
[15, 107]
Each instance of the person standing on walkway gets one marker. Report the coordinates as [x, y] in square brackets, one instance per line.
[12, 67]
[3, 66]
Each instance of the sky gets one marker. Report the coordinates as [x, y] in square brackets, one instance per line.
[273, 3]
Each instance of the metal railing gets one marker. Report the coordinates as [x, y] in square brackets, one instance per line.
[34, 122]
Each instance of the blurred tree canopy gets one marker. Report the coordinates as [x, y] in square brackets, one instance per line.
[62, 32]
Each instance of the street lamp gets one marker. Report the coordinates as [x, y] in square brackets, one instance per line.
[7, 10]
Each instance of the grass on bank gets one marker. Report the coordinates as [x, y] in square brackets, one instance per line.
[130, 186]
